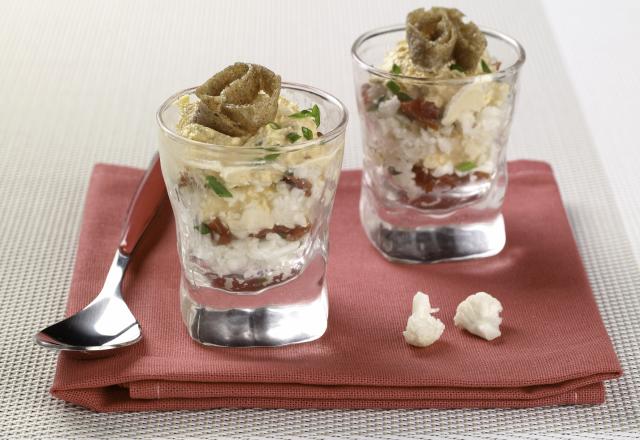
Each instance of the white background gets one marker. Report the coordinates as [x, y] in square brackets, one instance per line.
[598, 41]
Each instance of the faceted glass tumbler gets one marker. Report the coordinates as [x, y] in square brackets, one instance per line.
[268, 287]
[434, 171]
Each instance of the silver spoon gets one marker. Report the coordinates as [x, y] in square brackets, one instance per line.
[107, 323]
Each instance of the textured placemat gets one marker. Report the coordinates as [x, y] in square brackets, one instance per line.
[81, 81]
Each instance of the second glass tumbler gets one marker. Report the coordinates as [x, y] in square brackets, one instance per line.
[434, 174]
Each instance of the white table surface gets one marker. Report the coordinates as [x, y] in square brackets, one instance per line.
[592, 35]
[80, 83]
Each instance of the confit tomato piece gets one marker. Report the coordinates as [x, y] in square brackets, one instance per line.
[224, 234]
[424, 112]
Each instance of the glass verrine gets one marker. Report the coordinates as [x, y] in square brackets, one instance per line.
[252, 227]
[434, 172]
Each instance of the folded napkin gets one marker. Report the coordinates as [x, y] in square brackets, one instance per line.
[554, 349]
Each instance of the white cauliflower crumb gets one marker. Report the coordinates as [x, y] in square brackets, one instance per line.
[422, 328]
[389, 107]
[480, 314]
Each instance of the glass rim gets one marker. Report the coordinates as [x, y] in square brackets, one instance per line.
[501, 73]
[339, 129]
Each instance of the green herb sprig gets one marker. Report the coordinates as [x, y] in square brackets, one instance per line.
[275, 125]
[308, 134]
[202, 228]
[457, 67]
[466, 166]
[396, 90]
[218, 187]
[313, 112]
[395, 69]
[485, 67]
[271, 157]
[293, 137]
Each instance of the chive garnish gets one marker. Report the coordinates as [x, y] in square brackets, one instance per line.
[293, 137]
[395, 89]
[485, 67]
[308, 134]
[203, 228]
[457, 67]
[275, 125]
[395, 69]
[271, 157]
[313, 112]
[465, 166]
[301, 114]
[393, 86]
[218, 187]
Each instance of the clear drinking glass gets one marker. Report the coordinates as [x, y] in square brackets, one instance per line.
[267, 287]
[432, 190]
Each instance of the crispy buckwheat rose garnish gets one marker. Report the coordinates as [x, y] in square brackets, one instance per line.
[440, 36]
[238, 100]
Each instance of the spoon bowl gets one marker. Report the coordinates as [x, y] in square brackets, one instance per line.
[107, 323]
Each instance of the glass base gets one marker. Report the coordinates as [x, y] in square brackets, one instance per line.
[435, 241]
[292, 312]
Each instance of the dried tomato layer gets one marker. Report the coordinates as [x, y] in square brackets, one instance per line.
[428, 182]
[298, 182]
[222, 231]
[290, 234]
[244, 285]
[424, 112]
[364, 93]
[185, 179]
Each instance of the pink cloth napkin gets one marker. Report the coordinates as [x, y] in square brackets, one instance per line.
[554, 349]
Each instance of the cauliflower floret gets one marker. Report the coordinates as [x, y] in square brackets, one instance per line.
[422, 328]
[389, 107]
[480, 314]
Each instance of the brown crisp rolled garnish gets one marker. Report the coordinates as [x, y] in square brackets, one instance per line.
[238, 100]
[470, 45]
[439, 36]
[431, 37]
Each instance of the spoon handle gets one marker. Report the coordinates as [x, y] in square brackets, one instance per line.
[149, 194]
